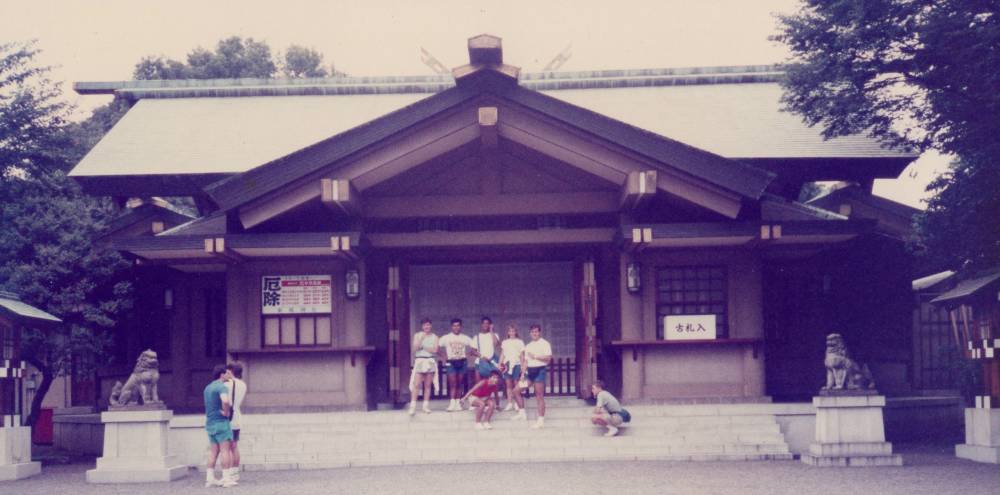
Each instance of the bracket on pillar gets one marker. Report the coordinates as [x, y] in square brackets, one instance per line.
[641, 237]
[637, 191]
[342, 245]
[488, 118]
[217, 247]
[340, 194]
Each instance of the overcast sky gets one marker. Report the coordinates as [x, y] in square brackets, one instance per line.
[102, 40]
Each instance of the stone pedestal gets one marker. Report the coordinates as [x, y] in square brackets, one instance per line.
[850, 432]
[982, 436]
[15, 453]
[135, 448]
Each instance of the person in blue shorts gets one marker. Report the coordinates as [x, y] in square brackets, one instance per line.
[537, 356]
[220, 436]
[456, 348]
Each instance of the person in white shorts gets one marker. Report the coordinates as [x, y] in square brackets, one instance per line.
[237, 392]
[425, 351]
[510, 357]
[537, 356]
[456, 347]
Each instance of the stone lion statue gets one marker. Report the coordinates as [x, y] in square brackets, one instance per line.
[140, 388]
[842, 372]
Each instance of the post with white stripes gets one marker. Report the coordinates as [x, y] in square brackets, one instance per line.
[15, 438]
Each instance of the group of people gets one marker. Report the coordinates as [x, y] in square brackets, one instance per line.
[510, 363]
[223, 397]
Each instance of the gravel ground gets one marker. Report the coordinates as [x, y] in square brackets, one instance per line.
[928, 469]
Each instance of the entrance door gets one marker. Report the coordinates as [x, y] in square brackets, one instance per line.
[522, 293]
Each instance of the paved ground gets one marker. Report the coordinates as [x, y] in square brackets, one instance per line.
[930, 470]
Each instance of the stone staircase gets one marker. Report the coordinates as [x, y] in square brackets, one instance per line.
[379, 438]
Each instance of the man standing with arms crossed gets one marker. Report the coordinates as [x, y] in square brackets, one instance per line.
[220, 435]
[237, 392]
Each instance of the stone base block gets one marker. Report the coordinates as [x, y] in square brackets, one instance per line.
[978, 453]
[11, 472]
[853, 461]
[850, 449]
[136, 475]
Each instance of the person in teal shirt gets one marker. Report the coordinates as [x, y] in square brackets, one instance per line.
[220, 435]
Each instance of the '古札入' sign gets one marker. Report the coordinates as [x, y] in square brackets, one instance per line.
[689, 327]
[294, 294]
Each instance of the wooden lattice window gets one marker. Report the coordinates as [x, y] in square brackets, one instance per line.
[297, 330]
[693, 290]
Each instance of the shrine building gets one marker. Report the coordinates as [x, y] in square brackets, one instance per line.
[648, 220]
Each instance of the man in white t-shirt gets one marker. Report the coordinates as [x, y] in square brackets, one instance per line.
[486, 348]
[537, 356]
[237, 392]
[456, 347]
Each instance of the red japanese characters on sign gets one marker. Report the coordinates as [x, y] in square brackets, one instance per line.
[295, 294]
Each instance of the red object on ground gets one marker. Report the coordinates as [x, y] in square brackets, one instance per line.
[41, 433]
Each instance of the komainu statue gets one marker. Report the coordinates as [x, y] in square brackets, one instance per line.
[842, 372]
[141, 385]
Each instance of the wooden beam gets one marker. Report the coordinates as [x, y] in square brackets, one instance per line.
[216, 246]
[639, 189]
[488, 117]
[392, 158]
[342, 246]
[494, 238]
[491, 205]
[609, 162]
[340, 195]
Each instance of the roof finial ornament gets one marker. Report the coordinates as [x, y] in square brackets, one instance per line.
[485, 55]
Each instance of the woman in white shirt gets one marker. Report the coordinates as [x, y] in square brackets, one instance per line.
[537, 356]
[510, 358]
[424, 374]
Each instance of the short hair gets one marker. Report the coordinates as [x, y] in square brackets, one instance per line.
[425, 320]
[534, 326]
[236, 367]
[219, 370]
[456, 320]
[486, 318]
[513, 326]
[599, 384]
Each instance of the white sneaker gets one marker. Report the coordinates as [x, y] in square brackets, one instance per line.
[210, 480]
[227, 479]
[413, 408]
[510, 407]
[479, 426]
[612, 431]
[427, 408]
[539, 424]
[488, 426]
[521, 415]
[236, 474]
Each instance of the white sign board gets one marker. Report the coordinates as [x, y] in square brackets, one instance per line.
[295, 294]
[689, 327]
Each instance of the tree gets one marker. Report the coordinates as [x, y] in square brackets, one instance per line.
[914, 73]
[50, 230]
[303, 62]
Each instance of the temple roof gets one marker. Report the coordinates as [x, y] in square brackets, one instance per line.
[216, 128]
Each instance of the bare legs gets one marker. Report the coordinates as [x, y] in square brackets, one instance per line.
[483, 409]
[514, 393]
[220, 452]
[540, 395]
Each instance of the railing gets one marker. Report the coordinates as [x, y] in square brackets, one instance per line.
[560, 379]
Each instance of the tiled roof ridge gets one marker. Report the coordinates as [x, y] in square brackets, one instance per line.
[200, 88]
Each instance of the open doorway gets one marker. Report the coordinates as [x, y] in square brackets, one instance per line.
[522, 293]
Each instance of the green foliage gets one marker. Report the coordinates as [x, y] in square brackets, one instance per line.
[233, 57]
[303, 62]
[49, 230]
[31, 113]
[913, 73]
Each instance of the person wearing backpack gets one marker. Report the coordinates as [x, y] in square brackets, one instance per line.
[609, 412]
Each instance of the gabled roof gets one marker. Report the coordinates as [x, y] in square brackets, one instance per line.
[742, 179]
[181, 135]
[12, 306]
[974, 286]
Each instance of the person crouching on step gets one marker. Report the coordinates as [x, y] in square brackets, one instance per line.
[482, 400]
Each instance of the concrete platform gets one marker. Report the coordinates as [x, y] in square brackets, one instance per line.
[10, 472]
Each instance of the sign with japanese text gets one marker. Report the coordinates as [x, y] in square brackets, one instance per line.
[689, 327]
[295, 294]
